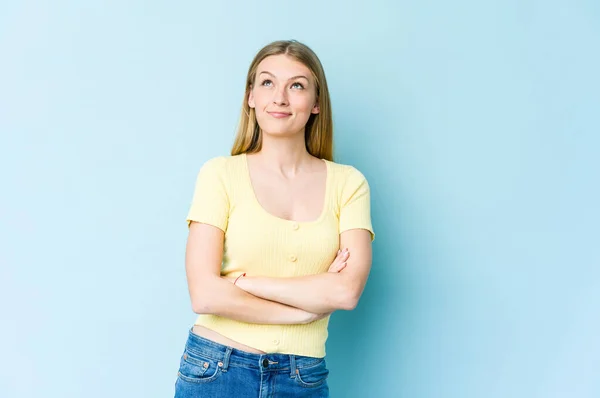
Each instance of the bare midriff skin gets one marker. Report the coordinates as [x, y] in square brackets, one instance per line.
[219, 338]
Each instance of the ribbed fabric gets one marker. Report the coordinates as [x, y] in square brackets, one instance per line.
[261, 244]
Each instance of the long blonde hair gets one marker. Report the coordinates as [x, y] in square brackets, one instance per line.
[318, 133]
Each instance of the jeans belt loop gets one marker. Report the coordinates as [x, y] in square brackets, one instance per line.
[292, 366]
[226, 358]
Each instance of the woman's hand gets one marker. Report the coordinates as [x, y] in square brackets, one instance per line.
[340, 261]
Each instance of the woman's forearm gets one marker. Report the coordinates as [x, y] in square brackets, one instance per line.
[220, 297]
[318, 294]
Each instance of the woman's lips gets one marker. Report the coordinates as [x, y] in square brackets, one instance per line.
[279, 115]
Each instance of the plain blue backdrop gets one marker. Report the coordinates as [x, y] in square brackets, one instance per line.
[476, 123]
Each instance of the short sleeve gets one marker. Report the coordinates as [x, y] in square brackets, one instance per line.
[210, 202]
[355, 206]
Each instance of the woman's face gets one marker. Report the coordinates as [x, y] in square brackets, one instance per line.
[283, 95]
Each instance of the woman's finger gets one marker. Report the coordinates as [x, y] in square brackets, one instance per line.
[339, 261]
[339, 267]
[336, 263]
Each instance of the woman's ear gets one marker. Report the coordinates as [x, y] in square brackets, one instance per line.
[251, 98]
[315, 109]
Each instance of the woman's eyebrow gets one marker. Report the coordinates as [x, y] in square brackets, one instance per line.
[291, 78]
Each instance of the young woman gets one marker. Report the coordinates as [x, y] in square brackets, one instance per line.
[279, 238]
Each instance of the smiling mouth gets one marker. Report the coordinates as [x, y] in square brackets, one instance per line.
[279, 115]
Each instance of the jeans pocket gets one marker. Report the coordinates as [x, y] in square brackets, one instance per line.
[197, 368]
[312, 376]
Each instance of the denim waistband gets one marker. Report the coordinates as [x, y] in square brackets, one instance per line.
[231, 356]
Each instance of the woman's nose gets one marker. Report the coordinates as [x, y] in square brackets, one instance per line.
[280, 97]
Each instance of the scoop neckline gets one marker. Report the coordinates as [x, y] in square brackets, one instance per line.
[277, 218]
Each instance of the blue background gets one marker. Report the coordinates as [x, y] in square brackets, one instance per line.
[476, 123]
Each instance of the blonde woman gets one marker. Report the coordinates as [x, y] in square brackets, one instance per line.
[279, 238]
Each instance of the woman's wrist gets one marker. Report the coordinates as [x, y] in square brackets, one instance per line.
[238, 278]
[241, 281]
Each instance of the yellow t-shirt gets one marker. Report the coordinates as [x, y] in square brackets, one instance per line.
[261, 244]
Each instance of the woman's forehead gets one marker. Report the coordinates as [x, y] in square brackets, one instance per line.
[283, 67]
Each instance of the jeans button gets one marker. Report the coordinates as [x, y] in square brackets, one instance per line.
[266, 363]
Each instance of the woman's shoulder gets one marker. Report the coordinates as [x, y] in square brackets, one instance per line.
[345, 172]
[221, 164]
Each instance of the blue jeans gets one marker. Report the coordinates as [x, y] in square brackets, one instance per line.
[210, 369]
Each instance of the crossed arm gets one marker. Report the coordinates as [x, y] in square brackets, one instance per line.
[273, 300]
[326, 292]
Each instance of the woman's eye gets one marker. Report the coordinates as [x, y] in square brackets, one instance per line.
[296, 85]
